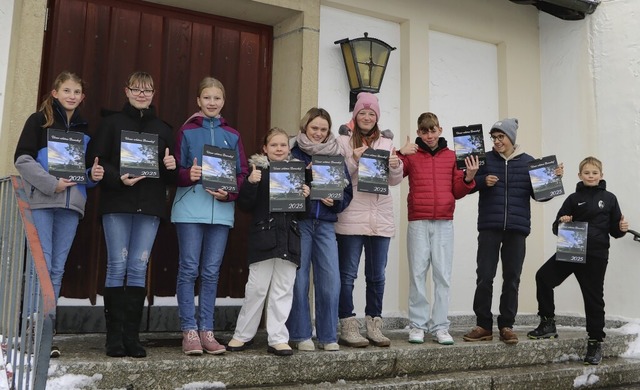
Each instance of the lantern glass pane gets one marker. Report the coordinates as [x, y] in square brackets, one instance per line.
[362, 50]
[376, 77]
[365, 77]
[379, 54]
[352, 74]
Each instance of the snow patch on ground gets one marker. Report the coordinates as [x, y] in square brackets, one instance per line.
[588, 378]
[203, 386]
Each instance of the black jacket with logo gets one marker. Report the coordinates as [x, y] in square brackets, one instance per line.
[600, 209]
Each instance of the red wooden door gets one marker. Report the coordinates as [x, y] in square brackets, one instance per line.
[103, 41]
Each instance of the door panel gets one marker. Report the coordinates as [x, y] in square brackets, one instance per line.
[104, 41]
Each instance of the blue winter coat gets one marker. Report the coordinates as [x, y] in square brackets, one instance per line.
[507, 204]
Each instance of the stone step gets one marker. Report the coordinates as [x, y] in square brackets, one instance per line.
[612, 373]
[487, 365]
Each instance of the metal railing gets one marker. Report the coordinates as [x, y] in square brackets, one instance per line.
[27, 300]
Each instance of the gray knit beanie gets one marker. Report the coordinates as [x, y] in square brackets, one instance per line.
[508, 126]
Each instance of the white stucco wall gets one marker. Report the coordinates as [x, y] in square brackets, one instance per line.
[591, 106]
[6, 19]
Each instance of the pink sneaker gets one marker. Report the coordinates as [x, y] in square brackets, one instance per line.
[210, 344]
[191, 343]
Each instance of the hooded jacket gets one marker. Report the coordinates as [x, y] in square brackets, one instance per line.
[434, 182]
[193, 204]
[368, 214]
[507, 204]
[148, 196]
[600, 209]
[271, 235]
[31, 160]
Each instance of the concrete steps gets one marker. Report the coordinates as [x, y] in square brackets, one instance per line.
[530, 364]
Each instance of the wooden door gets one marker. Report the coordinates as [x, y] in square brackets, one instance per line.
[104, 41]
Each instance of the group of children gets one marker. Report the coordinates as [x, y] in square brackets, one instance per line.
[328, 238]
[504, 222]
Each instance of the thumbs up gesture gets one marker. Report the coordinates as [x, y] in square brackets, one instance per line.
[394, 160]
[195, 172]
[624, 225]
[409, 147]
[169, 161]
[97, 171]
[255, 176]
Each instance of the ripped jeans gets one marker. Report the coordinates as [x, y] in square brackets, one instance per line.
[129, 239]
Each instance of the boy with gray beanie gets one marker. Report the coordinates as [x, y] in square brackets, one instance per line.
[504, 222]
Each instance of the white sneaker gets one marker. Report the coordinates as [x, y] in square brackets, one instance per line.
[416, 336]
[306, 345]
[443, 337]
[329, 346]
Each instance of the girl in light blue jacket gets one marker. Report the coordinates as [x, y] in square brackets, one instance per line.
[203, 217]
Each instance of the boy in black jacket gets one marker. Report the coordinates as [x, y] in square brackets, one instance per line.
[590, 203]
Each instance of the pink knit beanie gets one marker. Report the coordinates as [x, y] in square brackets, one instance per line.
[367, 100]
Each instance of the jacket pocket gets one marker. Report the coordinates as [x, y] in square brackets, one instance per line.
[265, 235]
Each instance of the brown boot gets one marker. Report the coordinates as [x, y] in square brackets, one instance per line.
[478, 334]
[374, 332]
[508, 336]
[350, 333]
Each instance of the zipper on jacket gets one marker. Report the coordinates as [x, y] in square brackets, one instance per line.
[506, 193]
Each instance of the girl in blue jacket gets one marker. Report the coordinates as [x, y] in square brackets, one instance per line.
[203, 217]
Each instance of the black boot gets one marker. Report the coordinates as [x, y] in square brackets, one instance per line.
[114, 301]
[594, 352]
[133, 315]
[546, 329]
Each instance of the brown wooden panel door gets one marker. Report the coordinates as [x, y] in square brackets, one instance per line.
[104, 41]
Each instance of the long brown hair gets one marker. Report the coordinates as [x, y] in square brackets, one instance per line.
[47, 104]
[358, 139]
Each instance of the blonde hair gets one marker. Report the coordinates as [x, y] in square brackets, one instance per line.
[272, 133]
[209, 82]
[592, 161]
[47, 104]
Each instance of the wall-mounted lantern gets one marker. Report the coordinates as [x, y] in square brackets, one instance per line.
[365, 60]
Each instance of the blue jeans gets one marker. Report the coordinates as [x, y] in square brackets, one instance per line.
[56, 229]
[201, 251]
[318, 248]
[375, 262]
[129, 239]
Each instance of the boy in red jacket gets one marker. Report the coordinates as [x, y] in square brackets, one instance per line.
[434, 185]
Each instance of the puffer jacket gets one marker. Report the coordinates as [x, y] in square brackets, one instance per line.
[315, 208]
[600, 209]
[149, 195]
[271, 235]
[434, 183]
[192, 204]
[31, 160]
[368, 214]
[507, 204]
